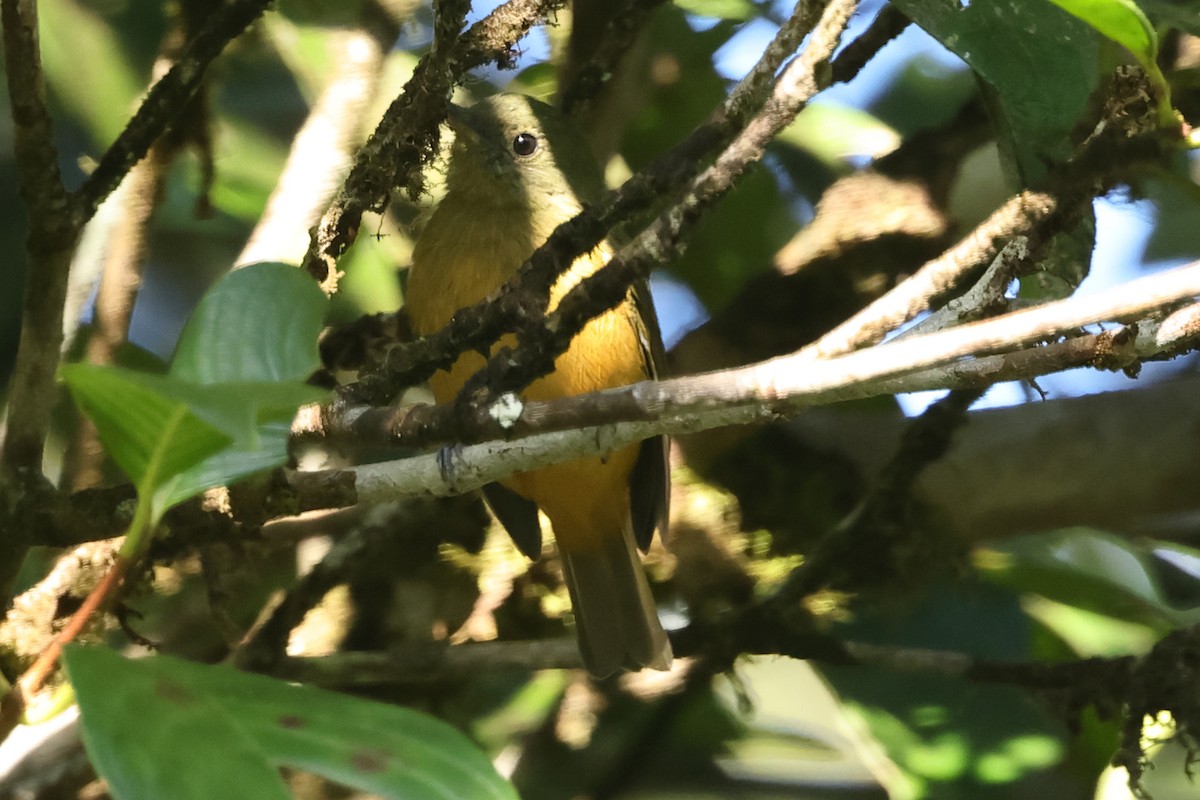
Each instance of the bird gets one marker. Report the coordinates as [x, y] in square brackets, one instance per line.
[517, 170]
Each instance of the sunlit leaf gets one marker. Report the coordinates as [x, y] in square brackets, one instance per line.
[834, 133]
[133, 415]
[236, 377]
[1086, 568]
[949, 735]
[260, 323]
[739, 10]
[1121, 21]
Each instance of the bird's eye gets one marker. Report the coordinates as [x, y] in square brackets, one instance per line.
[524, 144]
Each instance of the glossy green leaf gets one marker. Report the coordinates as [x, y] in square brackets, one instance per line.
[1089, 569]
[237, 375]
[259, 323]
[1015, 47]
[133, 411]
[133, 416]
[138, 715]
[151, 735]
[1121, 21]
[237, 408]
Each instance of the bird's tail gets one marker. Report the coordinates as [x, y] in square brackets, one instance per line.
[615, 615]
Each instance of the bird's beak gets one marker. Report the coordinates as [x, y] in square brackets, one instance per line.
[460, 121]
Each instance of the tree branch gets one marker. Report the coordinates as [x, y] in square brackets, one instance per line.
[51, 240]
[1101, 163]
[786, 385]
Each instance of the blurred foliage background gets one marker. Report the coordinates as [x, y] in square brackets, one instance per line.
[1063, 528]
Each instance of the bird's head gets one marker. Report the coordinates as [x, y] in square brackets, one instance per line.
[512, 150]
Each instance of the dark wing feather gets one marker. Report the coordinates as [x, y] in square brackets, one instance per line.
[650, 481]
[518, 516]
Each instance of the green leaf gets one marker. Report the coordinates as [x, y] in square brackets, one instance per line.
[952, 737]
[228, 466]
[833, 133]
[150, 735]
[1015, 47]
[238, 370]
[133, 417]
[1088, 569]
[259, 323]
[102, 95]
[737, 10]
[1122, 22]
[237, 408]
[161, 727]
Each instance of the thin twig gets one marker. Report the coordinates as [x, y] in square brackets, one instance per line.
[1100, 164]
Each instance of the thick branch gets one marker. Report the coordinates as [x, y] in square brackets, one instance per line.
[50, 242]
[788, 384]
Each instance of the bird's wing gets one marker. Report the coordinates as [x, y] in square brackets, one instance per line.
[518, 516]
[650, 481]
